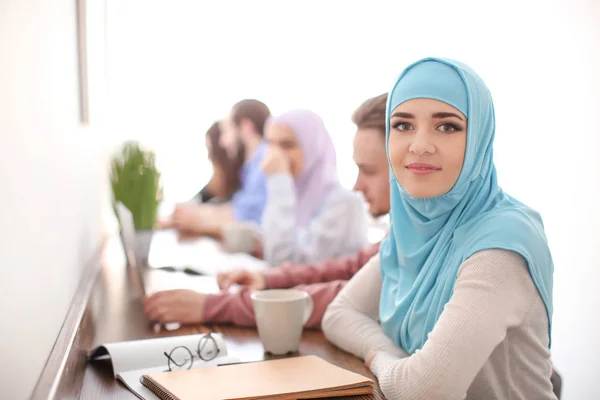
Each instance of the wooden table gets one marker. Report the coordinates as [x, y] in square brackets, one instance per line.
[114, 313]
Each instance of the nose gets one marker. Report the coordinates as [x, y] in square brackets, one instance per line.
[357, 184]
[422, 143]
[360, 186]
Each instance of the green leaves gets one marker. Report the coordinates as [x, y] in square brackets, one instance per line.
[135, 182]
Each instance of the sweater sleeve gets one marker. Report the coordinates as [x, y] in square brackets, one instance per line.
[342, 268]
[229, 308]
[351, 320]
[493, 292]
[337, 225]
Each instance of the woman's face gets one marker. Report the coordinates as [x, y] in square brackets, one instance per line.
[427, 144]
[283, 136]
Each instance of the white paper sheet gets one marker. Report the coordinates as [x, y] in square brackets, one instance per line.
[168, 280]
[203, 255]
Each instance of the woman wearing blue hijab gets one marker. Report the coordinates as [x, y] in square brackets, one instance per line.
[458, 303]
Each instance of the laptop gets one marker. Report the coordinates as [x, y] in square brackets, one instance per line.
[128, 240]
[162, 278]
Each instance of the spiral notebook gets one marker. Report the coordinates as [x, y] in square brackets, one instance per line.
[306, 377]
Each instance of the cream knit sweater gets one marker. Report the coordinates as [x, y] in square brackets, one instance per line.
[491, 341]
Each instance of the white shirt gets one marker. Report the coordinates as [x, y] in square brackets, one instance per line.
[337, 229]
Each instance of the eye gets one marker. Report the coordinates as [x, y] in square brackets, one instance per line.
[449, 128]
[403, 126]
[367, 172]
[288, 145]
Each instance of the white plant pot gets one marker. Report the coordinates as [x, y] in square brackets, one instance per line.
[143, 240]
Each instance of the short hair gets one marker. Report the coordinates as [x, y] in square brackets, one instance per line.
[255, 111]
[371, 114]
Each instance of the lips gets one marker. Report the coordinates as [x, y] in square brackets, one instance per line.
[422, 168]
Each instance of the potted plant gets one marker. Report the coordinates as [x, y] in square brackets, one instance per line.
[136, 183]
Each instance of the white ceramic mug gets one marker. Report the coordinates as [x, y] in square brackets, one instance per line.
[240, 237]
[280, 318]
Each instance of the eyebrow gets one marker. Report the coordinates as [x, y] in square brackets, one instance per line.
[446, 115]
[400, 114]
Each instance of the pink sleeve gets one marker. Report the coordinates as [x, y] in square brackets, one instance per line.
[229, 308]
[322, 294]
[343, 268]
[236, 308]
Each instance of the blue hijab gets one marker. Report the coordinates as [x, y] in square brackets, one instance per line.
[430, 238]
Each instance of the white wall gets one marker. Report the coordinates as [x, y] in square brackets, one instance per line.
[568, 193]
[52, 183]
[540, 59]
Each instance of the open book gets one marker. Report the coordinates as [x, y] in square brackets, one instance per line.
[306, 377]
[132, 359]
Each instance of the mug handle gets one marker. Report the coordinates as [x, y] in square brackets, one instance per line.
[308, 308]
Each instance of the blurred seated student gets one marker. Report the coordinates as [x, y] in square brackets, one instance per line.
[321, 280]
[309, 216]
[458, 303]
[225, 180]
[243, 128]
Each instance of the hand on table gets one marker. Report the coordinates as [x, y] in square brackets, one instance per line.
[190, 220]
[183, 306]
[186, 236]
[164, 223]
[254, 280]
